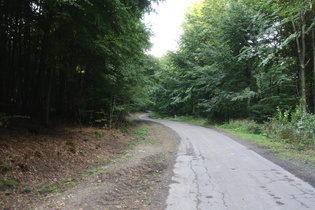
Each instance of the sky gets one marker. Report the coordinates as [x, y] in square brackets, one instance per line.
[165, 25]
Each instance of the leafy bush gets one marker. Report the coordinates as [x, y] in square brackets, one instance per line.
[295, 127]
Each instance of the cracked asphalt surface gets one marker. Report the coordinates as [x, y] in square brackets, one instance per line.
[212, 171]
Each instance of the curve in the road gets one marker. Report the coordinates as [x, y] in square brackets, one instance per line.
[214, 172]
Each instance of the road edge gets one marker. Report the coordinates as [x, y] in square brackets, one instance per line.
[304, 171]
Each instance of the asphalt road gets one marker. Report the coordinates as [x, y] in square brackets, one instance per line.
[212, 171]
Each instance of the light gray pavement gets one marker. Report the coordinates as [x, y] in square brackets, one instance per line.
[212, 171]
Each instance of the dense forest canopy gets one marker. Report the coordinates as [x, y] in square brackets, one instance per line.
[240, 59]
[71, 57]
[86, 59]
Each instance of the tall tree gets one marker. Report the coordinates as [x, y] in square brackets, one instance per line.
[68, 56]
[238, 58]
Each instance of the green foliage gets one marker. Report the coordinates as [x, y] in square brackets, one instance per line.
[90, 172]
[295, 127]
[70, 57]
[141, 133]
[124, 129]
[8, 192]
[236, 60]
[48, 189]
[8, 183]
[247, 126]
[305, 157]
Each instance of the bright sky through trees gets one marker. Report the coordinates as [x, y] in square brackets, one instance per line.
[165, 25]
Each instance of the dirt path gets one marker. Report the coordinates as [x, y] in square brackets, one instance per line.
[137, 180]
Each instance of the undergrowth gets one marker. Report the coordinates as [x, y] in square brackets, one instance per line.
[293, 127]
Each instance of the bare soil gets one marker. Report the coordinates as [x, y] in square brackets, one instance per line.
[68, 167]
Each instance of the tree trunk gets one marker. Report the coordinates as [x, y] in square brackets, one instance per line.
[313, 43]
[48, 95]
[61, 108]
[301, 46]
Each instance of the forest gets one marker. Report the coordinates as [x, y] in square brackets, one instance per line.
[75, 74]
[74, 59]
[87, 60]
[240, 59]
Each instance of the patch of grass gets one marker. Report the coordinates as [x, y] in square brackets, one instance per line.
[306, 158]
[155, 173]
[133, 144]
[260, 139]
[114, 160]
[153, 142]
[159, 160]
[8, 183]
[124, 129]
[67, 182]
[52, 188]
[90, 172]
[297, 164]
[246, 126]
[141, 133]
[8, 192]
[280, 156]
[48, 189]
[282, 148]
[128, 156]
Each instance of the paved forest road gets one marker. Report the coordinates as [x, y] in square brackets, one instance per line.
[214, 172]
